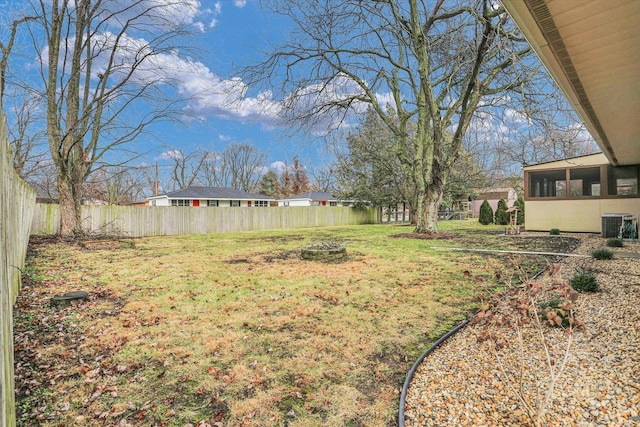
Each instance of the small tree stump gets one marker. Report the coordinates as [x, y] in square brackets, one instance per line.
[60, 301]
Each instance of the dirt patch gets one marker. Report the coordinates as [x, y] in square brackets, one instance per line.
[425, 236]
[106, 244]
[282, 256]
[559, 244]
[238, 261]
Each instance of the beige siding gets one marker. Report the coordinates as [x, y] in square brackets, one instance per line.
[575, 215]
[592, 160]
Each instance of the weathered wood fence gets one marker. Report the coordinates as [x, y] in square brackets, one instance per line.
[137, 221]
[17, 202]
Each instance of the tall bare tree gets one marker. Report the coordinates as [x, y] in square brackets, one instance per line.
[116, 185]
[323, 178]
[425, 63]
[186, 168]
[103, 79]
[238, 166]
[29, 148]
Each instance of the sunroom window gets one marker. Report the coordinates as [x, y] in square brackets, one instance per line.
[623, 180]
[584, 182]
[548, 184]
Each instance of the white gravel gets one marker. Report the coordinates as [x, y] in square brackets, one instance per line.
[468, 383]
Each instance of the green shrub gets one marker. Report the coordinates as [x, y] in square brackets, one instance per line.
[502, 216]
[520, 204]
[614, 243]
[486, 213]
[555, 312]
[602, 254]
[554, 231]
[584, 281]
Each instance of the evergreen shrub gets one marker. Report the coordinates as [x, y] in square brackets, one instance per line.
[486, 213]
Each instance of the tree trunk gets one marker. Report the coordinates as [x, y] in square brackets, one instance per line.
[428, 206]
[70, 205]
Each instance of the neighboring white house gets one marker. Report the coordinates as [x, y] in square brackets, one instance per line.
[313, 198]
[211, 197]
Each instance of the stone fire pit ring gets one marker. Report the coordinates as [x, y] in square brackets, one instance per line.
[324, 252]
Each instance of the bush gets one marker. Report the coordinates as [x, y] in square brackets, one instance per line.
[584, 281]
[556, 312]
[520, 204]
[502, 216]
[554, 231]
[614, 243]
[486, 213]
[602, 254]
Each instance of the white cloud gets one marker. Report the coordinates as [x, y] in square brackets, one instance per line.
[217, 8]
[278, 166]
[385, 99]
[164, 14]
[240, 3]
[171, 154]
[261, 170]
[224, 138]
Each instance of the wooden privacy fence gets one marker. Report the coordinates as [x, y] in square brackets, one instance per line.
[17, 202]
[137, 221]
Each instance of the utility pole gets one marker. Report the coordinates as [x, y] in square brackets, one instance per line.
[156, 182]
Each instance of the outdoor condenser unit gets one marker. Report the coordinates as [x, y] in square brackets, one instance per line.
[611, 223]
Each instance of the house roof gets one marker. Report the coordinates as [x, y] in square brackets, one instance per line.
[313, 195]
[496, 193]
[589, 47]
[586, 160]
[214, 193]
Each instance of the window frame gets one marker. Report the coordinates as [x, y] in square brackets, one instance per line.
[605, 176]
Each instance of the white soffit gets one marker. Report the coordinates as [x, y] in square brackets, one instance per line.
[592, 50]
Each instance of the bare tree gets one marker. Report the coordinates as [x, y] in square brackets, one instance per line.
[29, 148]
[186, 168]
[323, 178]
[104, 80]
[43, 180]
[526, 133]
[6, 49]
[116, 185]
[239, 166]
[431, 64]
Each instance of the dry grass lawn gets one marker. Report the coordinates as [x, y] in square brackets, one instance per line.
[236, 329]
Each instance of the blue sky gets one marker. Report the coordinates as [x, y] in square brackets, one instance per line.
[231, 34]
[236, 33]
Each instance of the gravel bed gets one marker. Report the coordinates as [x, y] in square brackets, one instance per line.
[465, 382]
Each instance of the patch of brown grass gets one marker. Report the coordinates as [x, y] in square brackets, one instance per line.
[236, 329]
